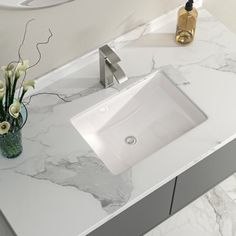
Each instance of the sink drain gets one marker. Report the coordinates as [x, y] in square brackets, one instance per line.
[131, 140]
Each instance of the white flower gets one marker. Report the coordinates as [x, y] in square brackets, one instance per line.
[27, 84]
[1, 95]
[1, 86]
[21, 68]
[7, 68]
[14, 109]
[4, 127]
[18, 74]
[8, 73]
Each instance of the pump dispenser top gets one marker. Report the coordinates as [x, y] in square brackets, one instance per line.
[186, 26]
[189, 5]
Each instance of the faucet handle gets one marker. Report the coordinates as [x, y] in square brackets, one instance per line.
[109, 54]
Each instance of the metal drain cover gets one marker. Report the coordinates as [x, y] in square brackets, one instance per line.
[131, 140]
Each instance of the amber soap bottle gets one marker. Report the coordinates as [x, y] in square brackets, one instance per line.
[187, 19]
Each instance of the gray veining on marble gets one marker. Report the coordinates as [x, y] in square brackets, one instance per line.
[213, 214]
[89, 174]
[85, 172]
[225, 62]
[58, 162]
[229, 186]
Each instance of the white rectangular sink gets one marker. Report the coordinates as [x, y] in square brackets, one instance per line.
[137, 122]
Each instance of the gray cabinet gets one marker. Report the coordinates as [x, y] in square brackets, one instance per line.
[204, 176]
[142, 216]
[5, 228]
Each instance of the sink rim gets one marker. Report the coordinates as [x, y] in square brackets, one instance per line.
[119, 163]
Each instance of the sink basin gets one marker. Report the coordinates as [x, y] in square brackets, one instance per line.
[137, 122]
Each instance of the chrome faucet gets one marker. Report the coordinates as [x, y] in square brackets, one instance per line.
[109, 67]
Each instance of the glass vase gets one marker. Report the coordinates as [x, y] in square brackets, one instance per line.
[11, 142]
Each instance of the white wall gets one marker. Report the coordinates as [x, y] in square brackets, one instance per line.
[224, 11]
[78, 27]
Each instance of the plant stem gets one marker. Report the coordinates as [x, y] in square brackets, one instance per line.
[1, 110]
[12, 124]
[6, 98]
[17, 123]
[13, 91]
[22, 96]
[8, 94]
[39, 58]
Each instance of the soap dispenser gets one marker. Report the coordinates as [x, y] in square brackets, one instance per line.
[187, 18]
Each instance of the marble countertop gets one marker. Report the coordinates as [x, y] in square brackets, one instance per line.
[59, 187]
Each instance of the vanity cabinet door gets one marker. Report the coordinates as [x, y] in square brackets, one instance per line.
[205, 175]
[5, 228]
[141, 217]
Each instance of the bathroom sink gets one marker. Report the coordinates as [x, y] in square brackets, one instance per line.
[136, 123]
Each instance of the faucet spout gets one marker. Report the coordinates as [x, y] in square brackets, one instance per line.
[109, 68]
[119, 74]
